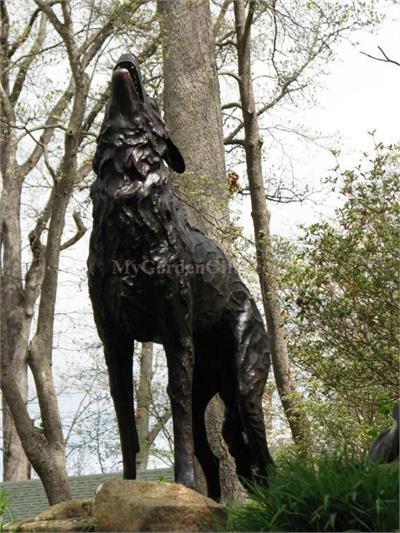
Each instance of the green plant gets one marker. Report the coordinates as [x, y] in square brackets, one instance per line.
[340, 283]
[4, 510]
[329, 493]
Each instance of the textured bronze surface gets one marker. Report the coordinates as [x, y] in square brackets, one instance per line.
[385, 448]
[153, 277]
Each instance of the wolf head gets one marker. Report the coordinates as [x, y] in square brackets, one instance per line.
[133, 141]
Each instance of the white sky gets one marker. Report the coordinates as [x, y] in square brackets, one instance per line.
[360, 95]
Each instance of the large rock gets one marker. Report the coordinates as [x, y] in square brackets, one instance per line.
[68, 525]
[69, 516]
[123, 505]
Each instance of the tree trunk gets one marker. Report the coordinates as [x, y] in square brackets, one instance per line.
[16, 466]
[261, 220]
[43, 447]
[15, 463]
[147, 409]
[193, 115]
[192, 109]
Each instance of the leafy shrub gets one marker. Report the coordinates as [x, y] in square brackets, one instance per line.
[340, 285]
[324, 494]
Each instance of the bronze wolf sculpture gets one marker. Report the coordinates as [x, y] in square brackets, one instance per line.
[153, 277]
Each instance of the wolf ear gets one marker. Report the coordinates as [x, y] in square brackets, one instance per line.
[173, 157]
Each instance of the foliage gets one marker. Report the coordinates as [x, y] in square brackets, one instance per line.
[328, 494]
[342, 296]
[4, 510]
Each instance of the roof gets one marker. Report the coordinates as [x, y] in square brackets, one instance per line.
[27, 498]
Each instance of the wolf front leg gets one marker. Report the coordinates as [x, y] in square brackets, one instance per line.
[119, 359]
[180, 360]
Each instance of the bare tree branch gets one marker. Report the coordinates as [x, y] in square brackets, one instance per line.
[24, 66]
[220, 18]
[25, 34]
[92, 46]
[384, 59]
[45, 138]
[158, 426]
[80, 409]
[234, 142]
[230, 74]
[80, 231]
[6, 104]
[96, 109]
[284, 91]
[82, 172]
[34, 276]
[29, 131]
[66, 33]
[231, 105]
[49, 167]
[247, 25]
[5, 28]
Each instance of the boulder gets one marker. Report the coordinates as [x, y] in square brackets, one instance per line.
[69, 516]
[68, 525]
[124, 505]
[68, 509]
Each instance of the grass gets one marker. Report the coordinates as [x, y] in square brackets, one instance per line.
[324, 494]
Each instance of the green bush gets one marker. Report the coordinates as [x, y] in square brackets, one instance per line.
[324, 494]
[340, 285]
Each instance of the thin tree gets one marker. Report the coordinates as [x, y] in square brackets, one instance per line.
[261, 222]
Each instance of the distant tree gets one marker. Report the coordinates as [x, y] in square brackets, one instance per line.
[342, 296]
[153, 410]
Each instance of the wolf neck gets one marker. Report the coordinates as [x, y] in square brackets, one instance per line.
[141, 210]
